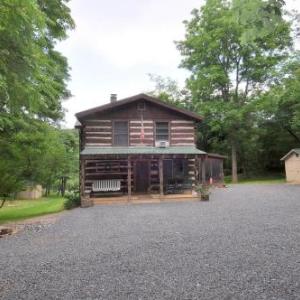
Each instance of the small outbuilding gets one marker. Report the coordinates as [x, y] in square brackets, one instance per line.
[292, 166]
[31, 192]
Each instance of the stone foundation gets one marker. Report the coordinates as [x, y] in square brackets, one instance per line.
[86, 202]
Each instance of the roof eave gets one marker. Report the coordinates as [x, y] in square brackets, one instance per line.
[216, 155]
[77, 124]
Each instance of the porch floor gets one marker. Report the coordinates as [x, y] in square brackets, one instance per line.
[144, 198]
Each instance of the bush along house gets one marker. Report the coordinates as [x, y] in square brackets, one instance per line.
[138, 149]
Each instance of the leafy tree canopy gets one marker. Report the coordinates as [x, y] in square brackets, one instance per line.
[37, 153]
[281, 103]
[233, 50]
[33, 84]
[32, 73]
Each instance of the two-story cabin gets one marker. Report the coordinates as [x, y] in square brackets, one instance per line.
[136, 146]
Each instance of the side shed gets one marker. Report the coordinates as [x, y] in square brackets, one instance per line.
[292, 166]
[212, 170]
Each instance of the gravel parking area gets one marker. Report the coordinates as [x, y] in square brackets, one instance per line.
[243, 244]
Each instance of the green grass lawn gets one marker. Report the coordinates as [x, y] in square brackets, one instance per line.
[258, 180]
[22, 209]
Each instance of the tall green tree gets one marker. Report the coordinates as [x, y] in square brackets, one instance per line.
[232, 49]
[33, 84]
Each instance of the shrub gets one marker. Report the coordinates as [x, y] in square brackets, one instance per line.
[73, 199]
[203, 189]
[73, 184]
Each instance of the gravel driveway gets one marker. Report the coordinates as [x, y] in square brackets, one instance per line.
[243, 244]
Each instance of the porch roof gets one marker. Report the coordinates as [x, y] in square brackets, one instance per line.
[141, 150]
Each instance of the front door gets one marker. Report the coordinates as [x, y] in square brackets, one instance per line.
[141, 176]
[167, 170]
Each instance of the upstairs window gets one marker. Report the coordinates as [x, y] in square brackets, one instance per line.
[120, 133]
[161, 131]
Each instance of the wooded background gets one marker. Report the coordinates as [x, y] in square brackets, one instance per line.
[244, 80]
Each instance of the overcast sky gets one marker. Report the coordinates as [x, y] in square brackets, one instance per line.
[117, 43]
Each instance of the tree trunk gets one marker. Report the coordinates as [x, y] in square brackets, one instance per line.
[245, 170]
[47, 191]
[292, 133]
[63, 186]
[234, 163]
[2, 204]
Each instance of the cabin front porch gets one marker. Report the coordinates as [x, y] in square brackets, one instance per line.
[140, 178]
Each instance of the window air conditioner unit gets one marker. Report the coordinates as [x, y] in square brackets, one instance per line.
[161, 144]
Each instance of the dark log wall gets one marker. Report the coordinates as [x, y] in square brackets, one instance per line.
[96, 169]
[135, 127]
[98, 128]
[154, 176]
[182, 133]
[97, 133]
[191, 170]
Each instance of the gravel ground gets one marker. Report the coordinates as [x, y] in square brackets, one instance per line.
[243, 244]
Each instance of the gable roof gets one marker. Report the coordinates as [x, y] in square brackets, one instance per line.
[77, 124]
[141, 96]
[297, 151]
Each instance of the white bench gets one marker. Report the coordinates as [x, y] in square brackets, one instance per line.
[107, 185]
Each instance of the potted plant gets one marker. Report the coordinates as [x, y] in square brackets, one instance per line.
[203, 191]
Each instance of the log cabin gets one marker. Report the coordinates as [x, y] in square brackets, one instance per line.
[136, 149]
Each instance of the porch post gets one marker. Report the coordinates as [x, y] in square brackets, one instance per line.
[129, 178]
[161, 177]
[82, 178]
[203, 168]
[84, 199]
[222, 170]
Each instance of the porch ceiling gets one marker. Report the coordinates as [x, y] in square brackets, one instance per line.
[141, 150]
